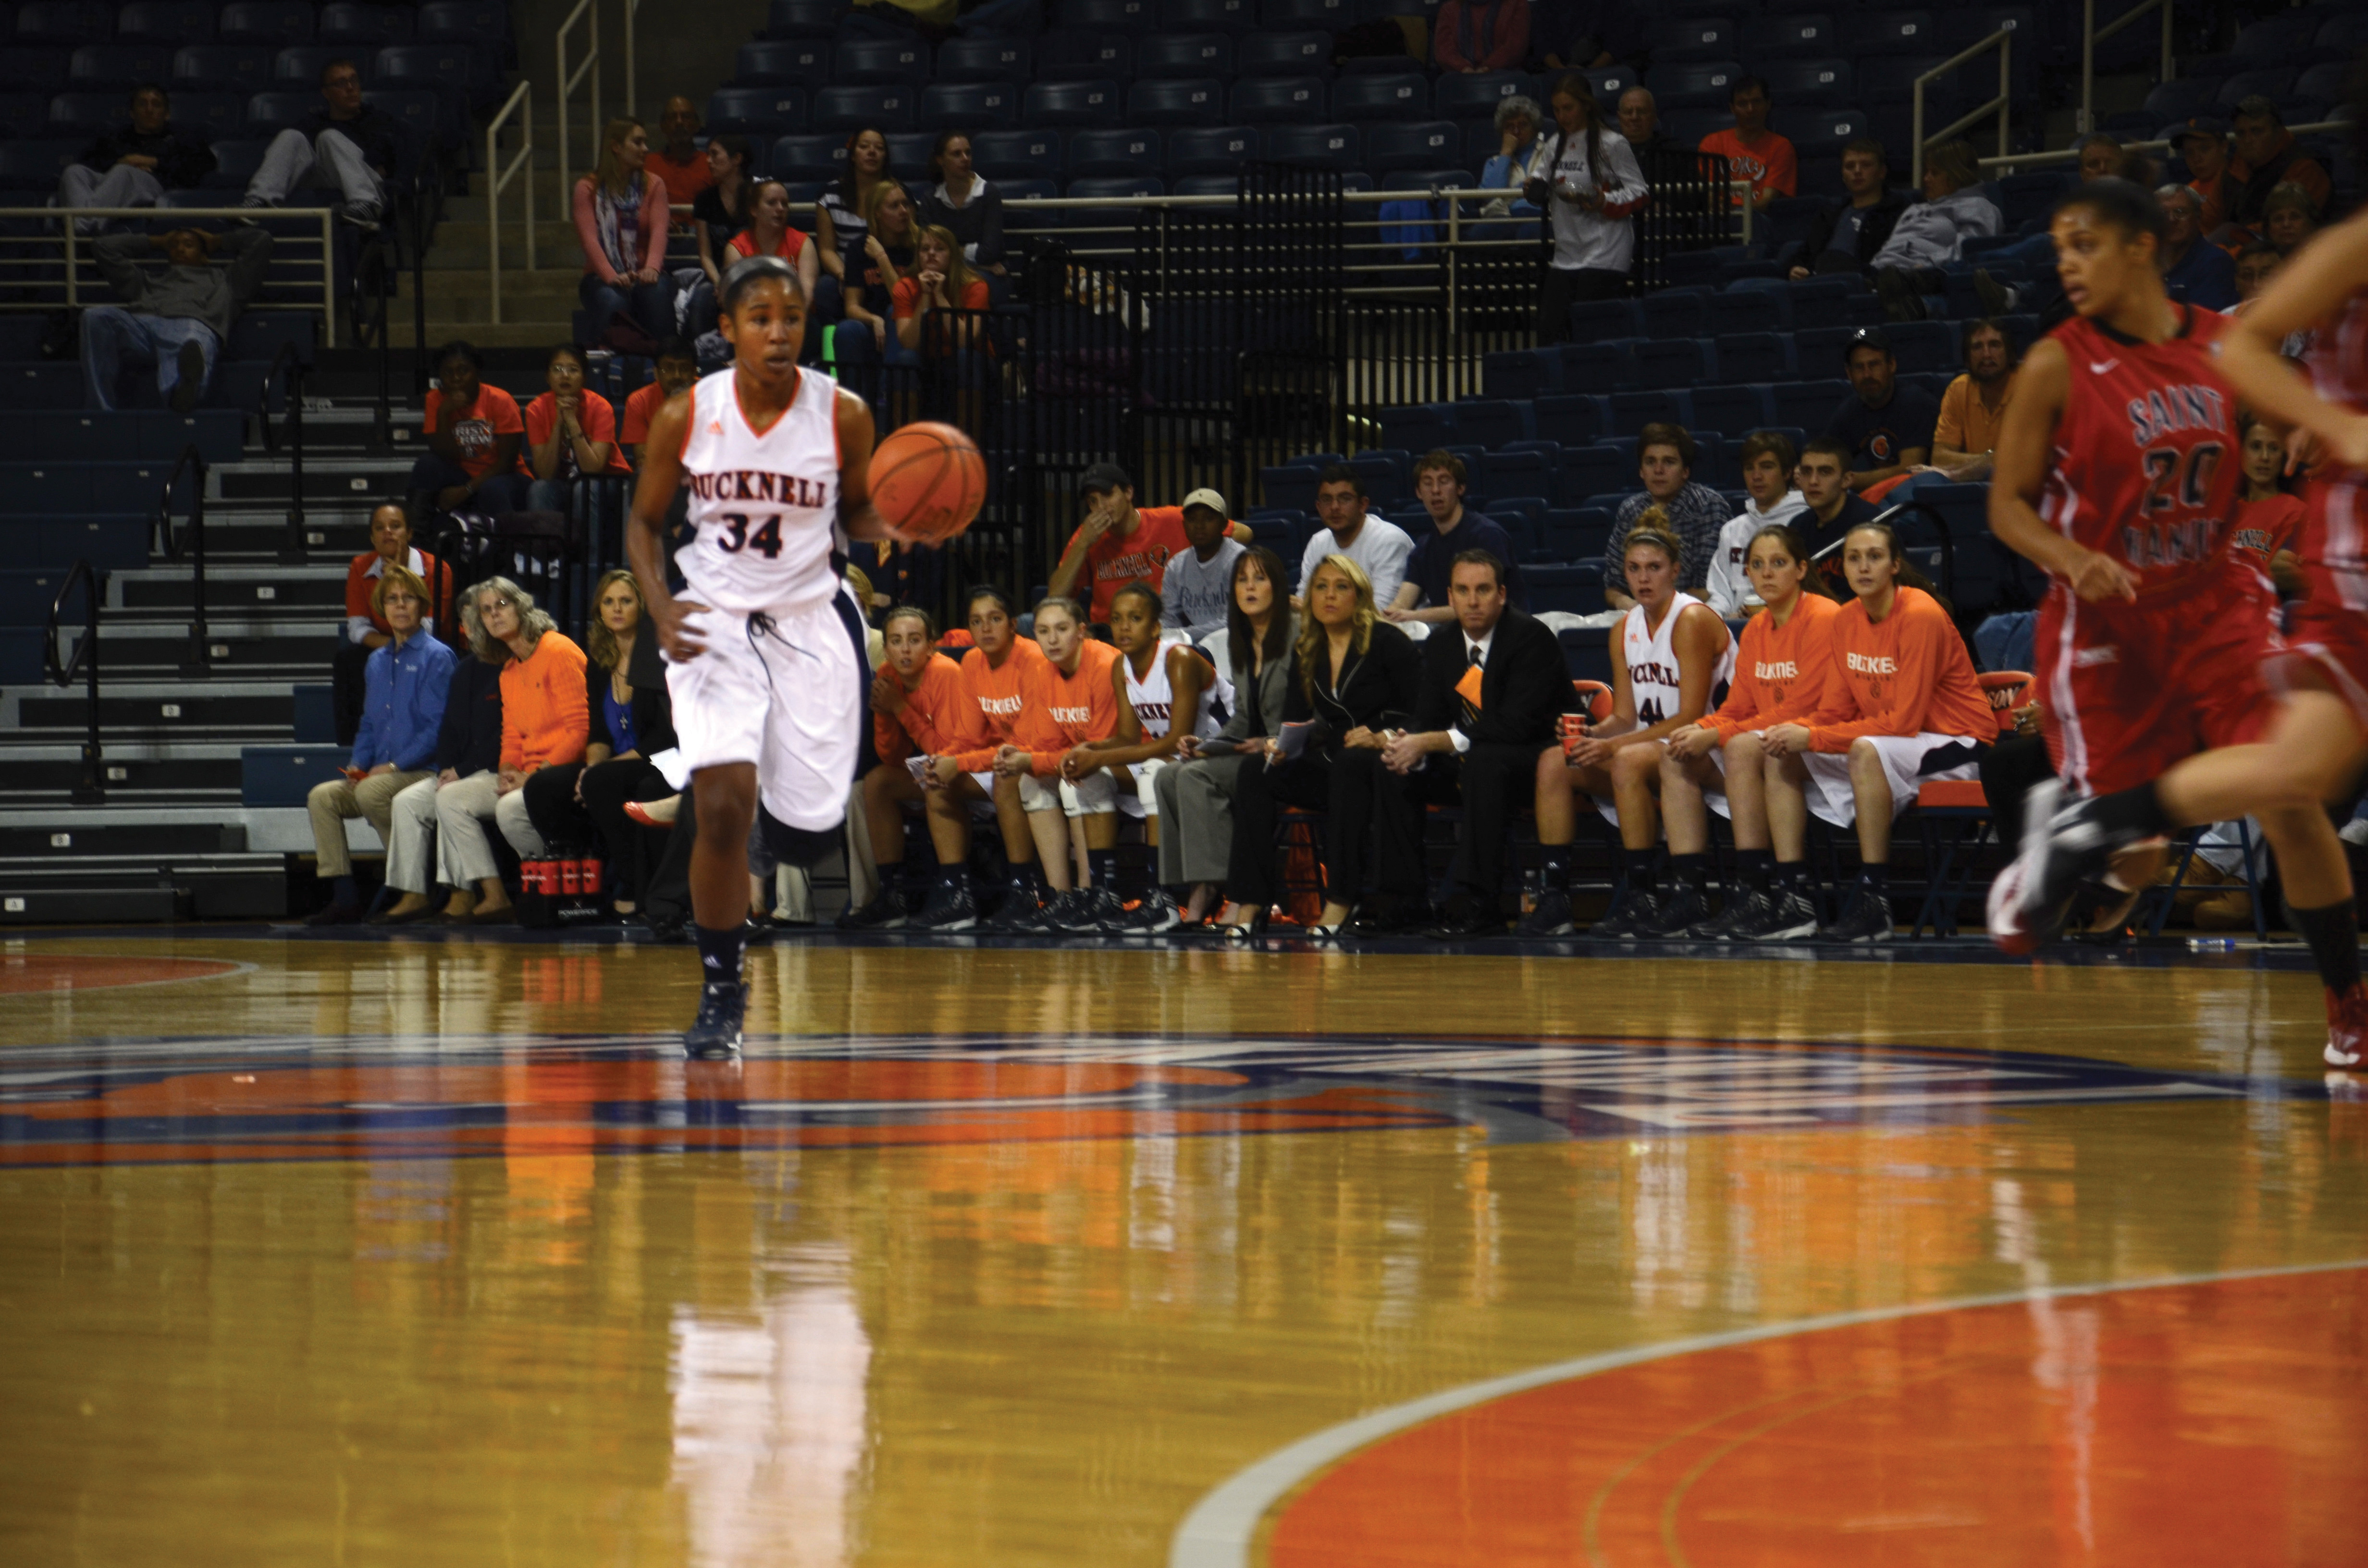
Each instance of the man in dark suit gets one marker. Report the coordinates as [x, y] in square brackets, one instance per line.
[1492, 688]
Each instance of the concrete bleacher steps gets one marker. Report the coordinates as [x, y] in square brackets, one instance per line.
[123, 866]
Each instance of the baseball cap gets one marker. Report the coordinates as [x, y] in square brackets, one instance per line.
[1206, 497]
[1866, 337]
[1105, 476]
[2194, 125]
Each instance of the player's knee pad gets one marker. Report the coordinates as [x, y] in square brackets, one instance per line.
[1036, 795]
[803, 848]
[1094, 795]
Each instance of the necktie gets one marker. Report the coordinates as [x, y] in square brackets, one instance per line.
[1468, 712]
[1478, 658]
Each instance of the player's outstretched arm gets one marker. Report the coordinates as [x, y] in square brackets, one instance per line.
[2026, 446]
[2330, 269]
[644, 533]
[855, 513]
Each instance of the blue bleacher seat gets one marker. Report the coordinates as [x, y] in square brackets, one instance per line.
[851, 108]
[1925, 346]
[761, 111]
[1692, 37]
[1489, 423]
[1426, 145]
[1599, 367]
[984, 60]
[276, 22]
[1383, 474]
[1574, 589]
[2178, 100]
[1418, 428]
[1288, 486]
[1107, 188]
[1822, 133]
[1755, 357]
[1213, 151]
[1809, 405]
[485, 23]
[221, 68]
[802, 18]
[880, 62]
[811, 157]
[1676, 362]
[1588, 472]
[170, 22]
[1082, 56]
[969, 106]
[1052, 104]
[1704, 85]
[1475, 462]
[1893, 32]
[1205, 185]
[1329, 15]
[1737, 407]
[1130, 16]
[793, 62]
[1766, 39]
[1184, 57]
[1601, 320]
[1818, 350]
[1673, 314]
[421, 111]
[909, 152]
[1285, 55]
[65, 22]
[24, 69]
[2269, 82]
[1797, 85]
[2275, 40]
[364, 26]
[2323, 82]
[85, 114]
[1608, 85]
[1632, 411]
[1576, 533]
[1021, 189]
[2343, 32]
[1277, 100]
[1569, 419]
[1397, 97]
[23, 114]
[235, 162]
[1004, 156]
[303, 63]
[27, 164]
[1823, 301]
[1316, 146]
[456, 70]
[1476, 95]
[1114, 152]
[1521, 373]
[118, 67]
[1165, 102]
[213, 115]
[1208, 16]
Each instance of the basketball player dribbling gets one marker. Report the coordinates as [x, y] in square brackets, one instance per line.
[2317, 742]
[765, 654]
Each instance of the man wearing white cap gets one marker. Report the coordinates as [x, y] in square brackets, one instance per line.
[1199, 583]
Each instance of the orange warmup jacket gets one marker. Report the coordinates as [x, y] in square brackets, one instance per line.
[1907, 676]
[992, 701]
[1782, 672]
[545, 716]
[931, 722]
[1066, 711]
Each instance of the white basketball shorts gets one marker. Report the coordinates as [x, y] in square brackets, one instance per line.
[786, 690]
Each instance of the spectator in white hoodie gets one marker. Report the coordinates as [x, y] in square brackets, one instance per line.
[1768, 463]
[1934, 230]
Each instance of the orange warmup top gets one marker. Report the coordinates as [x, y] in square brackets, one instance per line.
[1066, 711]
[994, 699]
[931, 723]
[1907, 676]
[1782, 674]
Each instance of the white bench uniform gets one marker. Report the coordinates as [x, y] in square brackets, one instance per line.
[1651, 655]
[1155, 706]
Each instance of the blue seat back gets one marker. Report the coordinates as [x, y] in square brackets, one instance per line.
[969, 106]
[1122, 153]
[65, 22]
[986, 59]
[1277, 100]
[1084, 56]
[878, 61]
[788, 62]
[276, 22]
[118, 67]
[1316, 146]
[1476, 95]
[221, 68]
[1185, 56]
[851, 108]
[1397, 98]
[1166, 102]
[173, 22]
[1285, 55]
[1005, 155]
[761, 111]
[358, 26]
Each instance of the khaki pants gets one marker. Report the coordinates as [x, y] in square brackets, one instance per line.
[337, 800]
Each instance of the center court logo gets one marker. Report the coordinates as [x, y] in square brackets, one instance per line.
[395, 1098]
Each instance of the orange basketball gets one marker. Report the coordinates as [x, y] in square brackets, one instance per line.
[928, 482]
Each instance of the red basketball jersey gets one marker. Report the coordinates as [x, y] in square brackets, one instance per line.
[2146, 464]
[2334, 545]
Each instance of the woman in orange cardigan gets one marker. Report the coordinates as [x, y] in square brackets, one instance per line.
[546, 723]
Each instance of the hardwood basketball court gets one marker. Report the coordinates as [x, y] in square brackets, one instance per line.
[432, 1249]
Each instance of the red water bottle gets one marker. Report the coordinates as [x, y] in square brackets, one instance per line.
[569, 883]
[588, 874]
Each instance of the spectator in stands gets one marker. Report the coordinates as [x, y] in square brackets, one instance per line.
[680, 163]
[2203, 144]
[1119, 542]
[1490, 694]
[677, 371]
[1965, 434]
[995, 678]
[845, 204]
[1473, 36]
[878, 260]
[941, 281]
[1640, 124]
[1849, 238]
[1195, 801]
[620, 220]
[917, 713]
[1440, 480]
[405, 684]
[570, 431]
[175, 320]
[2287, 218]
[1888, 427]
[1516, 142]
[2268, 157]
[1353, 677]
[472, 431]
[346, 145]
[1196, 587]
[1767, 463]
[1585, 35]
[1834, 508]
[1694, 512]
[2101, 156]
[135, 163]
[1588, 183]
[725, 206]
[1905, 708]
[964, 202]
[1933, 231]
[1381, 549]
[467, 743]
[2201, 272]
[2256, 265]
[2268, 516]
[580, 804]
[1752, 151]
[546, 723]
[768, 232]
[364, 630]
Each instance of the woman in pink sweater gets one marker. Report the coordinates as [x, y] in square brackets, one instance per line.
[620, 217]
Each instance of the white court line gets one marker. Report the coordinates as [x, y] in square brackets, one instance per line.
[238, 966]
[1218, 1531]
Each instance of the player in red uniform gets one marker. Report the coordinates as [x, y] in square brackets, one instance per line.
[2321, 728]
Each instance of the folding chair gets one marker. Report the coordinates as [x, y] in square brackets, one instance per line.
[1949, 863]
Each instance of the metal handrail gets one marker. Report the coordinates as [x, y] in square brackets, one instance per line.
[2072, 154]
[633, 25]
[2091, 35]
[292, 546]
[497, 179]
[91, 789]
[189, 545]
[2002, 104]
[38, 221]
[590, 16]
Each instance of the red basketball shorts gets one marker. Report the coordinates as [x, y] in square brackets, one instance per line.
[2127, 690]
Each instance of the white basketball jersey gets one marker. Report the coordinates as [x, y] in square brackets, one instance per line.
[1155, 698]
[1651, 657]
[764, 507]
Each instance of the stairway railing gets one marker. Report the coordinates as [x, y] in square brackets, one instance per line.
[2003, 40]
[294, 547]
[91, 788]
[2091, 35]
[497, 178]
[189, 544]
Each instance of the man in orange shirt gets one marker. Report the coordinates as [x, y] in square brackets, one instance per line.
[1752, 151]
[1973, 407]
[681, 163]
[1118, 544]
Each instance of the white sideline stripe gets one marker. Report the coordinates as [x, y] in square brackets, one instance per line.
[1218, 1531]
